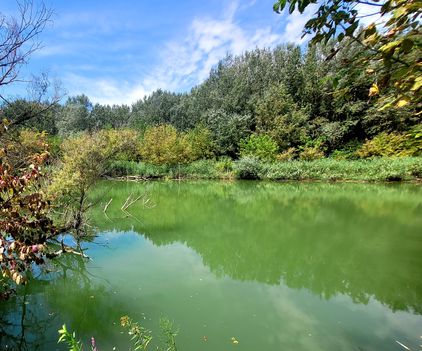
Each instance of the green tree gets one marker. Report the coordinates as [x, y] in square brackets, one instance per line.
[278, 116]
[75, 116]
[201, 143]
[259, 146]
[32, 114]
[86, 158]
[155, 109]
[163, 144]
[227, 130]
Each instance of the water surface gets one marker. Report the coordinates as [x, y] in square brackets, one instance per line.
[278, 266]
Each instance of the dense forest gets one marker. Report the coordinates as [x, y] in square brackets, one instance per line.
[290, 101]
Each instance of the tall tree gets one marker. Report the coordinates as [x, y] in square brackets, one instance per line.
[75, 116]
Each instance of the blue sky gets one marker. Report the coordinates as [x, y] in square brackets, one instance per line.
[120, 51]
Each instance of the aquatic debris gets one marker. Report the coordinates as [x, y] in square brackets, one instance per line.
[402, 345]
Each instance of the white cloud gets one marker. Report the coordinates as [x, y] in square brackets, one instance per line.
[53, 50]
[186, 63]
[106, 90]
[295, 23]
[368, 14]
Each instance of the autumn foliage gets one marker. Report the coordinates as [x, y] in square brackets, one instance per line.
[25, 224]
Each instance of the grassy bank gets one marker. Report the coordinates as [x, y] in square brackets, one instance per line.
[380, 169]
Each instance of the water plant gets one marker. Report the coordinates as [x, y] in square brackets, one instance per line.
[140, 337]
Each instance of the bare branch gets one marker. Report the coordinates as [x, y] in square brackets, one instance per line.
[19, 38]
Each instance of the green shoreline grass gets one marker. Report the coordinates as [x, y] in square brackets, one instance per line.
[377, 169]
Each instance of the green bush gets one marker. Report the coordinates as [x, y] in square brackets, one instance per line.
[260, 146]
[54, 143]
[414, 140]
[248, 168]
[202, 169]
[87, 157]
[393, 144]
[141, 169]
[348, 151]
[200, 143]
[224, 164]
[163, 144]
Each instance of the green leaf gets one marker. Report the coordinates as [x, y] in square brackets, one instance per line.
[279, 5]
[292, 6]
[351, 29]
[407, 45]
[302, 5]
[386, 7]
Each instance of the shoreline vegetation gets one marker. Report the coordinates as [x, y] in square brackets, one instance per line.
[347, 107]
[368, 170]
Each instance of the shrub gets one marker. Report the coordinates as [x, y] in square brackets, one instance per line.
[224, 164]
[260, 146]
[393, 144]
[336, 132]
[164, 145]
[287, 155]
[311, 153]
[248, 168]
[22, 147]
[54, 143]
[123, 168]
[405, 168]
[414, 140]
[201, 169]
[348, 151]
[382, 169]
[200, 143]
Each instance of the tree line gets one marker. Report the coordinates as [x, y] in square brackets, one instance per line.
[294, 96]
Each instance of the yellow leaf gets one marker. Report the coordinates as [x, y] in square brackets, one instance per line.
[417, 85]
[402, 102]
[374, 90]
[372, 39]
[389, 47]
[370, 30]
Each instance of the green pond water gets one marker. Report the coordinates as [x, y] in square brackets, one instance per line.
[277, 266]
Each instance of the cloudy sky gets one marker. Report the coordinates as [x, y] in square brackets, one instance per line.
[120, 51]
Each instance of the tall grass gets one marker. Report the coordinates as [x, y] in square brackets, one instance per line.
[328, 169]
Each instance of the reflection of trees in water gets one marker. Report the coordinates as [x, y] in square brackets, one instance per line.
[22, 328]
[25, 318]
[355, 239]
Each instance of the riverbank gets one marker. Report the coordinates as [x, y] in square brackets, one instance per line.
[327, 169]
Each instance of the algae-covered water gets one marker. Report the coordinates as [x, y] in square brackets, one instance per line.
[271, 266]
